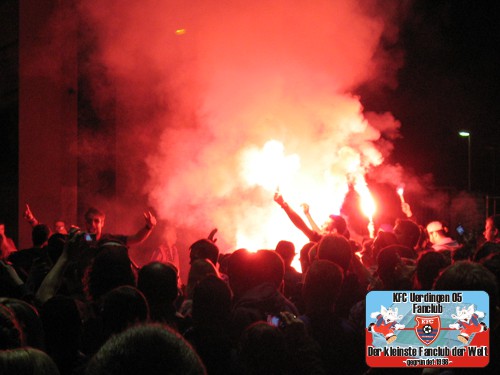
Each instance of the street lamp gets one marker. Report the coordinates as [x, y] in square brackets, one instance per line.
[466, 134]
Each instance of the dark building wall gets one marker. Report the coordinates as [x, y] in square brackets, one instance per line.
[47, 112]
[9, 52]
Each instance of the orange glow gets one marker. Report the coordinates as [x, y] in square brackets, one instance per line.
[269, 232]
[269, 167]
[180, 31]
[368, 206]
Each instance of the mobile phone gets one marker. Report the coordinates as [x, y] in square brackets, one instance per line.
[275, 321]
[89, 237]
[460, 230]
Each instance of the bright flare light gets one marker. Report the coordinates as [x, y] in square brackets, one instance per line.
[400, 192]
[368, 206]
[269, 167]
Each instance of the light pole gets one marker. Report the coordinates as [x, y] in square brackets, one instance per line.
[466, 134]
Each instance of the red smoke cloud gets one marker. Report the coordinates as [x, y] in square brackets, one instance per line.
[200, 105]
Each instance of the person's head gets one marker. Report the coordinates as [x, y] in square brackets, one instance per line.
[382, 240]
[268, 267]
[27, 361]
[429, 264]
[200, 268]
[29, 321]
[322, 286]
[55, 246]
[467, 275]
[2, 228]
[60, 227]
[159, 282]
[11, 333]
[327, 226]
[335, 248]
[407, 233]
[62, 324]
[204, 249]
[94, 221]
[239, 271]
[485, 250]
[286, 250]
[435, 230]
[391, 268]
[313, 253]
[262, 350]
[121, 308]
[335, 224]
[211, 301]
[151, 349]
[492, 228]
[40, 235]
[492, 263]
[110, 268]
[304, 256]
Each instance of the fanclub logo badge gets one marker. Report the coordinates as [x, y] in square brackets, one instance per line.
[427, 328]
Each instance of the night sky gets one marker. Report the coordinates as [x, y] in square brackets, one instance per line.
[449, 82]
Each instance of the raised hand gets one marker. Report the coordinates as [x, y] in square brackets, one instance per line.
[212, 234]
[150, 220]
[405, 207]
[278, 198]
[28, 215]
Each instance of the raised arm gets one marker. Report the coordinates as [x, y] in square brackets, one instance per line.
[52, 282]
[11, 281]
[29, 217]
[305, 208]
[294, 217]
[211, 235]
[145, 231]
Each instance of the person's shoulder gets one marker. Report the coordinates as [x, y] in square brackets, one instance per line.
[22, 254]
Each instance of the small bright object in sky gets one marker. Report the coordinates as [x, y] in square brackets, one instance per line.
[180, 31]
[464, 133]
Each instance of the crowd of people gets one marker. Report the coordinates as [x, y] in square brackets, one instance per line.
[75, 303]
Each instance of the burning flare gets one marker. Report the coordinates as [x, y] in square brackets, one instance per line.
[368, 206]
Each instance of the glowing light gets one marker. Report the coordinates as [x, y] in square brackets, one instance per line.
[400, 192]
[269, 167]
[464, 133]
[254, 240]
[180, 31]
[368, 206]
